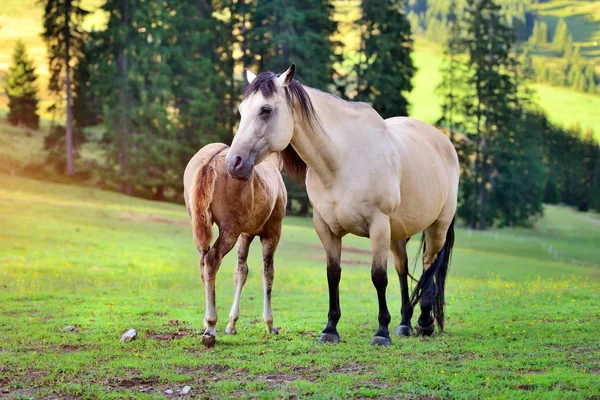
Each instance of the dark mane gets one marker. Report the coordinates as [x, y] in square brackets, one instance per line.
[295, 95]
[294, 167]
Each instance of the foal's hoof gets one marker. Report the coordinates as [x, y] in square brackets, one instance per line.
[425, 330]
[209, 340]
[329, 338]
[404, 330]
[230, 331]
[381, 341]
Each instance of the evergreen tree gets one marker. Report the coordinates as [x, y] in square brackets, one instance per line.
[496, 189]
[65, 40]
[284, 32]
[386, 69]
[21, 89]
[451, 67]
[157, 70]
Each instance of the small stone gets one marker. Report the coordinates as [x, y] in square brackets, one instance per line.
[186, 390]
[69, 328]
[129, 336]
[169, 391]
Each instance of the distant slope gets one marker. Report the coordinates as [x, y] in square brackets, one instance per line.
[563, 106]
[22, 19]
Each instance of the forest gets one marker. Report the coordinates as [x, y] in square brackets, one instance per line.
[158, 80]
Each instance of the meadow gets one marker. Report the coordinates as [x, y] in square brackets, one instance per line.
[522, 305]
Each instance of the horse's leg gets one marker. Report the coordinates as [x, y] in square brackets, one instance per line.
[269, 244]
[333, 251]
[212, 262]
[379, 233]
[435, 237]
[241, 273]
[398, 248]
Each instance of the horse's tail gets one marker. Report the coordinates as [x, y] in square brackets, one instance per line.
[202, 195]
[436, 276]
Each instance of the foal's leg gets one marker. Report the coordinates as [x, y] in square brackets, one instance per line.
[241, 273]
[398, 248]
[269, 244]
[333, 252]
[435, 237]
[379, 233]
[212, 262]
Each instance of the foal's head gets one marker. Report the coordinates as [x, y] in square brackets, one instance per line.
[267, 119]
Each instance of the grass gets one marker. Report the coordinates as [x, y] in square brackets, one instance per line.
[523, 316]
[563, 106]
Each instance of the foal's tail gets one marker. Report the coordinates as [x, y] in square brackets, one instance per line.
[202, 195]
[436, 276]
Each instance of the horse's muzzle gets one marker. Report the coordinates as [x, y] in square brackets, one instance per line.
[239, 166]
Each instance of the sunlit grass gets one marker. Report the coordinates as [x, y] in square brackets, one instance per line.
[522, 321]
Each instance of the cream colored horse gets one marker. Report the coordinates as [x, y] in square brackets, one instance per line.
[242, 210]
[382, 179]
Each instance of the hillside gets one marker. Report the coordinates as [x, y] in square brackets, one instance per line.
[562, 105]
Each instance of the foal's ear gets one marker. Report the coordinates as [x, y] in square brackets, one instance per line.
[250, 76]
[286, 78]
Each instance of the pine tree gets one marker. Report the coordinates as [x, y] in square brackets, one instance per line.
[160, 74]
[496, 189]
[284, 32]
[386, 69]
[451, 67]
[65, 40]
[21, 89]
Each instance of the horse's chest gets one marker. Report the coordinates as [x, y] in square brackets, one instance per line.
[340, 215]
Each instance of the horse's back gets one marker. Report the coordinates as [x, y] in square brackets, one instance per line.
[429, 175]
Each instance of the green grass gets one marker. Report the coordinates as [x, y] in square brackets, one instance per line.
[563, 106]
[522, 320]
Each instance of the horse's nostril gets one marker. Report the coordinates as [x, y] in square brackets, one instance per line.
[237, 163]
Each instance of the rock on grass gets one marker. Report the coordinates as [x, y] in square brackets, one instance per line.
[129, 336]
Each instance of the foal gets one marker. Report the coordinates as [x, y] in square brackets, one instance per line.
[242, 208]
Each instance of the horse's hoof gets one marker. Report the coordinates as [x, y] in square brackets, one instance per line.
[329, 338]
[230, 331]
[404, 330]
[209, 340]
[425, 330]
[381, 341]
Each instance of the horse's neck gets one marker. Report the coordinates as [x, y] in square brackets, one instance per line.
[339, 125]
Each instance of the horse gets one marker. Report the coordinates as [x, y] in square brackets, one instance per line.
[242, 210]
[385, 180]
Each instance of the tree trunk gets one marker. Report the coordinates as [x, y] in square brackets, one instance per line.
[69, 128]
[304, 206]
[159, 195]
[125, 186]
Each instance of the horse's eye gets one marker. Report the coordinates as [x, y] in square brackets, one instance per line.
[266, 110]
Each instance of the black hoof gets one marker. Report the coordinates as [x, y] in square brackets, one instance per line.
[425, 330]
[381, 341]
[404, 330]
[329, 338]
[209, 340]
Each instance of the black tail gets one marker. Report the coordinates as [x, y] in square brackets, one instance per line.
[435, 276]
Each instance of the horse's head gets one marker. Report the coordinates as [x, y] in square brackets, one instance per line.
[267, 121]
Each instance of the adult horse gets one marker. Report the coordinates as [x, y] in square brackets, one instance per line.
[242, 210]
[382, 179]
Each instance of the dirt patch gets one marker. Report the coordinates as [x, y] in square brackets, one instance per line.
[70, 348]
[526, 387]
[531, 371]
[152, 218]
[128, 383]
[354, 368]
[168, 336]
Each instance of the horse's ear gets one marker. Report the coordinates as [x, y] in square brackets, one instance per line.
[286, 78]
[250, 76]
